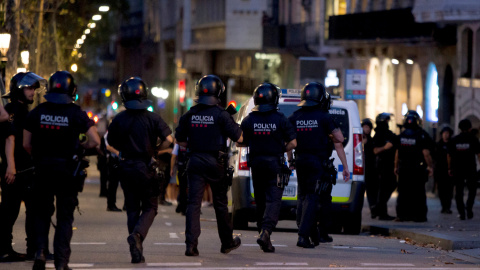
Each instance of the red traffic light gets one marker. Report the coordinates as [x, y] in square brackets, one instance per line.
[233, 103]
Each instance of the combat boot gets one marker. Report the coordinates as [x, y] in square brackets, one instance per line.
[236, 242]
[40, 260]
[304, 242]
[136, 248]
[191, 251]
[264, 242]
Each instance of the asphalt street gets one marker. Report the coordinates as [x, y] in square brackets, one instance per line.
[99, 242]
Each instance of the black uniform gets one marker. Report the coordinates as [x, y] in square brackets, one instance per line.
[134, 134]
[206, 128]
[371, 177]
[13, 194]
[462, 149]
[266, 133]
[385, 163]
[55, 130]
[314, 147]
[413, 174]
[444, 181]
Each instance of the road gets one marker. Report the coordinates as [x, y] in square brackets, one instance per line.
[99, 242]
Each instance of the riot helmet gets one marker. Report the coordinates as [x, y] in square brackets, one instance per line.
[315, 94]
[21, 80]
[382, 120]
[61, 88]
[208, 90]
[265, 97]
[134, 94]
[412, 120]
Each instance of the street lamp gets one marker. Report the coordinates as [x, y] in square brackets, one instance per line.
[104, 8]
[97, 17]
[91, 25]
[74, 67]
[4, 43]
[87, 31]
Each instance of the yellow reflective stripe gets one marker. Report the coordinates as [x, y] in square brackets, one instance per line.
[283, 198]
[340, 199]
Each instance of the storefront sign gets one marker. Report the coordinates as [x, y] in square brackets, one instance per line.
[355, 84]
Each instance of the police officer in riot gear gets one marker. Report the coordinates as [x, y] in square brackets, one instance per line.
[17, 183]
[413, 164]
[371, 179]
[204, 130]
[316, 131]
[384, 150]
[463, 167]
[268, 134]
[51, 135]
[134, 133]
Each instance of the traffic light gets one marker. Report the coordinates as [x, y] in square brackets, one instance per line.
[150, 108]
[233, 103]
[114, 105]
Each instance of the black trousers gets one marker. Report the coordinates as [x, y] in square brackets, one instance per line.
[371, 188]
[462, 181]
[312, 207]
[182, 190]
[412, 198]
[445, 185]
[12, 197]
[203, 168]
[112, 183]
[387, 182]
[54, 184]
[268, 196]
[141, 189]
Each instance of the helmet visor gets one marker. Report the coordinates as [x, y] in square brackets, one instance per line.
[32, 79]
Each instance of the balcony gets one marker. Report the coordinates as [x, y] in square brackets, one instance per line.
[388, 25]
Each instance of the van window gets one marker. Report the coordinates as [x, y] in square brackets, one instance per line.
[340, 116]
[288, 108]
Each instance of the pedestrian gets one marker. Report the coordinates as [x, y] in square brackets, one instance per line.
[317, 136]
[413, 165]
[371, 177]
[113, 179]
[51, 135]
[18, 180]
[179, 161]
[384, 150]
[462, 166]
[204, 130]
[445, 183]
[268, 135]
[134, 133]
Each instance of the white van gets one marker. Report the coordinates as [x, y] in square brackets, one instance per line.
[347, 197]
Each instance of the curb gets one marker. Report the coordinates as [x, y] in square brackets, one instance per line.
[440, 240]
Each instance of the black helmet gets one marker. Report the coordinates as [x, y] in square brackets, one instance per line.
[265, 97]
[382, 120]
[61, 88]
[208, 90]
[134, 94]
[21, 80]
[367, 122]
[412, 120]
[313, 94]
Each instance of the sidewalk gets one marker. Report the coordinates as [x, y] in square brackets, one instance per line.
[445, 231]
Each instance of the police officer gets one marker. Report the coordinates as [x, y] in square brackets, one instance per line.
[51, 135]
[384, 150]
[413, 165]
[444, 181]
[463, 166]
[371, 178]
[316, 131]
[180, 159]
[268, 134]
[204, 130]
[134, 133]
[16, 186]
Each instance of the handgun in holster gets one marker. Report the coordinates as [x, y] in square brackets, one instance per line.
[80, 171]
[223, 158]
[328, 178]
[283, 177]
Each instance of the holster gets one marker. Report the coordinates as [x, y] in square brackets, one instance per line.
[283, 176]
[328, 178]
[80, 164]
